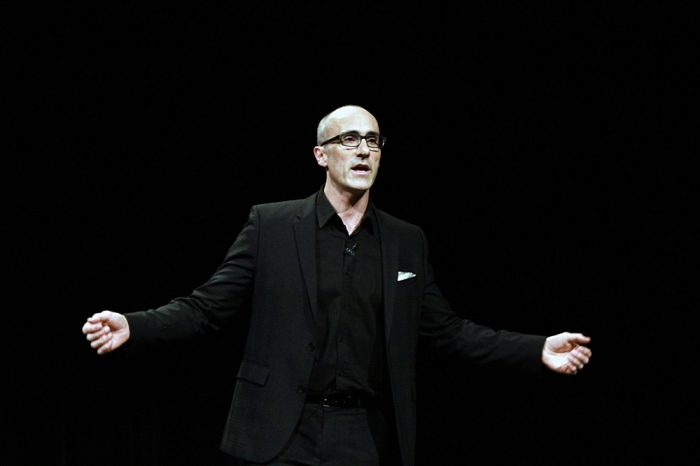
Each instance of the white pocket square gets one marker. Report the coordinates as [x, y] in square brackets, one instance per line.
[405, 276]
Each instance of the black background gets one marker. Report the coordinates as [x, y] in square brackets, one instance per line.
[544, 147]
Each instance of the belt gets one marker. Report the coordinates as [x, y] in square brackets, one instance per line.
[345, 400]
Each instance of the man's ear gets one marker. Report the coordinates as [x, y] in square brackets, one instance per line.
[320, 156]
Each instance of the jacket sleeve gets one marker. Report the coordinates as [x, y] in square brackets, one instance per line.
[209, 306]
[442, 328]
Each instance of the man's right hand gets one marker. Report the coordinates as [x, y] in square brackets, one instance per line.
[106, 331]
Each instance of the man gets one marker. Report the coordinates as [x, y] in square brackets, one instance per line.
[340, 293]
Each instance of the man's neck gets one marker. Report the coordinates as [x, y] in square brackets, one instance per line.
[350, 207]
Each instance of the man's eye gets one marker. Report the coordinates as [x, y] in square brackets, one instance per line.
[350, 138]
[372, 140]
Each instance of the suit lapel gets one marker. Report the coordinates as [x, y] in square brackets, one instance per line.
[305, 237]
[390, 270]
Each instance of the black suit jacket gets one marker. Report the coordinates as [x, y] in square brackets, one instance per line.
[273, 263]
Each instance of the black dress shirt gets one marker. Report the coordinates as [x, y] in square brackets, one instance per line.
[350, 348]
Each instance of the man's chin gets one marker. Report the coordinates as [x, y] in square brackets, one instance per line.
[359, 188]
[355, 187]
[362, 184]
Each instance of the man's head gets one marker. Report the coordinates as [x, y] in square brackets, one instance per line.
[349, 170]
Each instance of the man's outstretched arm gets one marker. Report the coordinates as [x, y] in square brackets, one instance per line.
[106, 331]
[564, 354]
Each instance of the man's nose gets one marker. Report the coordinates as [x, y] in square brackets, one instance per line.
[363, 149]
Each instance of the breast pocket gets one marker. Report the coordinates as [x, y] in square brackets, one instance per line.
[408, 286]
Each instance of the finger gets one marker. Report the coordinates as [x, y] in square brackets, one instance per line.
[100, 343]
[94, 336]
[108, 346]
[91, 328]
[585, 353]
[88, 328]
[582, 352]
[569, 368]
[103, 339]
[97, 334]
[578, 357]
[102, 316]
[571, 359]
[578, 363]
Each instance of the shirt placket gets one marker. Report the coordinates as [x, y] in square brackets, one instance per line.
[343, 336]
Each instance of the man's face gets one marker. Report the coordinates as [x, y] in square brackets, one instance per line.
[350, 169]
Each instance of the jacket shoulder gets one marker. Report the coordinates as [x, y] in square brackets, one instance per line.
[281, 206]
[286, 209]
[397, 224]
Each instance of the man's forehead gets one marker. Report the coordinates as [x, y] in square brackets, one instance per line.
[354, 119]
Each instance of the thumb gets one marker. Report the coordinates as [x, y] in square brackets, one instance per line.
[579, 338]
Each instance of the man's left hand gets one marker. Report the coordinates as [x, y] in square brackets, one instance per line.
[564, 354]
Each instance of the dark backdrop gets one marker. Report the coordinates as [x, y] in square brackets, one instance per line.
[542, 146]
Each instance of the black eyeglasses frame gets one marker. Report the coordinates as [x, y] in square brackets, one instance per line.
[339, 138]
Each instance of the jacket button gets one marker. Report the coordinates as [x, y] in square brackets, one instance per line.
[311, 346]
[301, 389]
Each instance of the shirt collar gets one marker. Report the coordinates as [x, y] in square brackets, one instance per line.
[325, 211]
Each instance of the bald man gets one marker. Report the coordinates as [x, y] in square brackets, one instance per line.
[340, 292]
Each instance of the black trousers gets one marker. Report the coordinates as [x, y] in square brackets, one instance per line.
[332, 436]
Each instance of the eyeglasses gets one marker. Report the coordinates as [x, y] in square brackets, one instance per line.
[354, 139]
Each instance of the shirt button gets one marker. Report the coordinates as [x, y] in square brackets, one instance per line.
[311, 346]
[301, 389]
